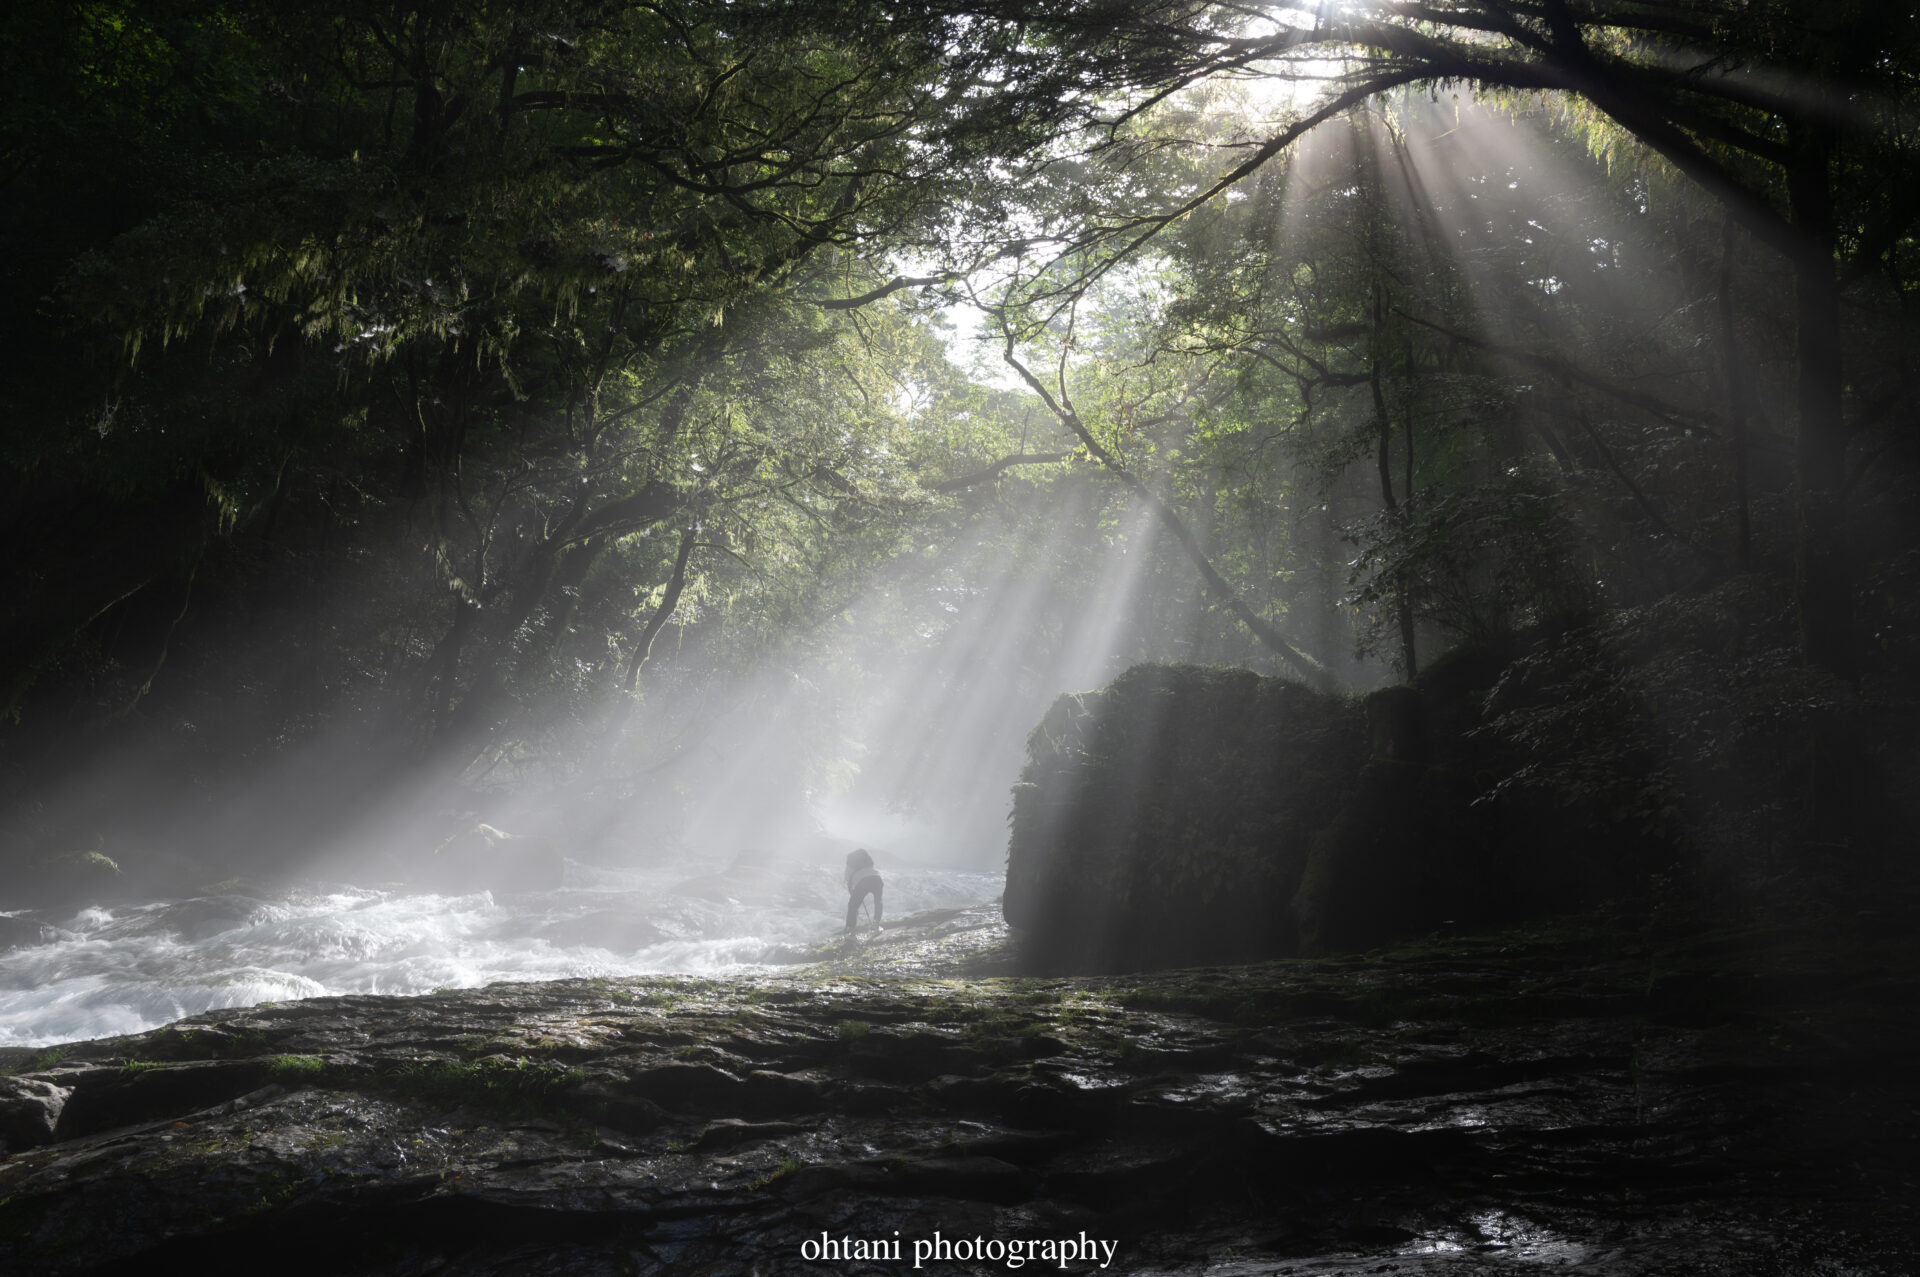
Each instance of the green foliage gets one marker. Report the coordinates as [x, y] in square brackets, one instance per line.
[514, 340]
[1689, 720]
[41, 1061]
[1212, 1001]
[297, 1070]
[92, 863]
[498, 1084]
[1480, 562]
[203, 1042]
[788, 1166]
[472, 354]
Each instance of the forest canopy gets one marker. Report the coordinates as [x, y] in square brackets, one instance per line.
[445, 396]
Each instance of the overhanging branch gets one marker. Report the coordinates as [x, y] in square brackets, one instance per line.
[1313, 671]
[997, 469]
[892, 286]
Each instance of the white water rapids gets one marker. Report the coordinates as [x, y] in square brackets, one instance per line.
[129, 968]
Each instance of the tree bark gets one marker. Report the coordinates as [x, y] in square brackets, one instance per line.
[662, 614]
[1736, 392]
[1403, 600]
[1824, 570]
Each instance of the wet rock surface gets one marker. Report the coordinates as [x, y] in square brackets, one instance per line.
[1582, 1098]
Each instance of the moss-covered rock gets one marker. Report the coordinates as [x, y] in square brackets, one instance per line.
[1627, 1092]
[29, 1112]
[1167, 818]
[1185, 815]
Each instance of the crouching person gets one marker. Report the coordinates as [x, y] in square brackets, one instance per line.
[862, 880]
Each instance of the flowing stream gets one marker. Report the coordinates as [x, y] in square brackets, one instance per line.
[128, 968]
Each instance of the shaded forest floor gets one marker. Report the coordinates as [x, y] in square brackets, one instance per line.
[1595, 1095]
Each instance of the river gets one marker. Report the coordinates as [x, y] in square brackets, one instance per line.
[126, 968]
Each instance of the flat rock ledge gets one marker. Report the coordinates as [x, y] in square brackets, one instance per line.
[1585, 1097]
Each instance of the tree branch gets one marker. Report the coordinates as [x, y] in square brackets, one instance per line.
[1698, 419]
[1313, 671]
[997, 469]
[892, 286]
[662, 614]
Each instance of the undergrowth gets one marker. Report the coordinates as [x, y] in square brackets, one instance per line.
[513, 1088]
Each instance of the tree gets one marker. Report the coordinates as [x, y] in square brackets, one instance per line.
[518, 247]
[1798, 120]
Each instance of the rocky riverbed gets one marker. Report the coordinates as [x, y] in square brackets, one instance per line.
[1595, 1096]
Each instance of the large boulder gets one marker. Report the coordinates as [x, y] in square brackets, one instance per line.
[29, 1112]
[1185, 815]
[1409, 848]
[1168, 818]
[1407, 852]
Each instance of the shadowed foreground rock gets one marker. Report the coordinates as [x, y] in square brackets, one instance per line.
[1583, 1099]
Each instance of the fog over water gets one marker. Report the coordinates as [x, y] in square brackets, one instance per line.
[729, 848]
[135, 967]
[704, 784]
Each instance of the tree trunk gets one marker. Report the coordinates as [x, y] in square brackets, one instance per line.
[443, 666]
[1823, 567]
[1403, 601]
[1736, 392]
[1406, 519]
[662, 614]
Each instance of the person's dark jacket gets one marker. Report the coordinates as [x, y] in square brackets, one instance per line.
[862, 880]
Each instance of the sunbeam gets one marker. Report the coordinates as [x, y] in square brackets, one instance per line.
[724, 636]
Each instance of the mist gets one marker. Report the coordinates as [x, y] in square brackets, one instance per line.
[697, 826]
[1238, 637]
[480, 742]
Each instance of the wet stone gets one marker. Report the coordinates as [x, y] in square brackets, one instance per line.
[730, 1132]
[29, 1111]
[1473, 1107]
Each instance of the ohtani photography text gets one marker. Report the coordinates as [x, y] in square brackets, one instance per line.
[1013, 1252]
